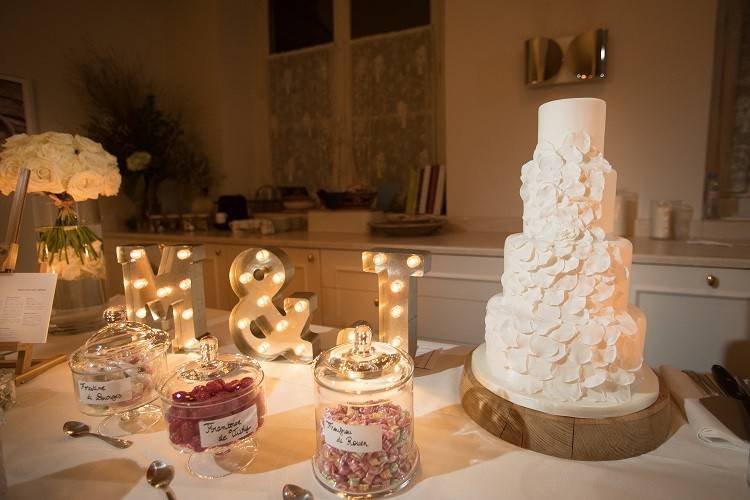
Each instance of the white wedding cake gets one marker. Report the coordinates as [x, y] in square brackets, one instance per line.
[561, 337]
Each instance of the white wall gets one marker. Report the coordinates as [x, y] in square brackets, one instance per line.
[209, 57]
[657, 91]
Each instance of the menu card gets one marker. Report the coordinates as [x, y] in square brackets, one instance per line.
[25, 306]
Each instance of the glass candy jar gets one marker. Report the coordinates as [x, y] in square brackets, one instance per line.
[364, 417]
[213, 408]
[116, 371]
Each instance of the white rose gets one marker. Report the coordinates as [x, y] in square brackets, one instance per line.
[9, 175]
[45, 176]
[56, 138]
[17, 140]
[112, 182]
[86, 144]
[138, 161]
[85, 185]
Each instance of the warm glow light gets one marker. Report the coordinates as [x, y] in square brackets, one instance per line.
[141, 313]
[379, 259]
[300, 306]
[299, 349]
[242, 323]
[140, 283]
[245, 278]
[397, 311]
[263, 301]
[262, 255]
[282, 325]
[396, 341]
[137, 253]
[184, 254]
[185, 284]
[278, 278]
[350, 337]
[414, 261]
[397, 286]
[263, 347]
[187, 313]
[163, 291]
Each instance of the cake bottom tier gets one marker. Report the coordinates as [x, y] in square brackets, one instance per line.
[643, 392]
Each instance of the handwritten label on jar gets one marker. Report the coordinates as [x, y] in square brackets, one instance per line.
[353, 438]
[229, 429]
[105, 393]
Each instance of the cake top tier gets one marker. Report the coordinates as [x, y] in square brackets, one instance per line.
[558, 118]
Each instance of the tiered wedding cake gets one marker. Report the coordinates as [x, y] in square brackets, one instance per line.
[562, 338]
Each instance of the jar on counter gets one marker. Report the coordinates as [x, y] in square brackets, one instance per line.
[213, 408]
[201, 222]
[156, 223]
[661, 220]
[188, 223]
[172, 223]
[364, 417]
[116, 372]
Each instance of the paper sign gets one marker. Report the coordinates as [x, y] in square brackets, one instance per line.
[353, 438]
[229, 429]
[25, 306]
[105, 393]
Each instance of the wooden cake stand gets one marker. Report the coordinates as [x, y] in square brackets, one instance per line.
[573, 438]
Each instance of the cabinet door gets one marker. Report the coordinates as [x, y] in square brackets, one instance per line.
[691, 324]
[453, 297]
[349, 293]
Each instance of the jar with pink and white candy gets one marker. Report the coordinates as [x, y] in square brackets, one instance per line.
[364, 418]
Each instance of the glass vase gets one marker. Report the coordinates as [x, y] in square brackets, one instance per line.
[69, 244]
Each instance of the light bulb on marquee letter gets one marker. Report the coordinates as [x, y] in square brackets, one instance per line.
[178, 285]
[397, 293]
[265, 323]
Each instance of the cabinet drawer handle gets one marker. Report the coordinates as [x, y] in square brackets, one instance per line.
[217, 252]
[376, 303]
[310, 257]
[712, 281]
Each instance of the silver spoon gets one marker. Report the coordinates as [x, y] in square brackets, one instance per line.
[294, 492]
[78, 429]
[159, 475]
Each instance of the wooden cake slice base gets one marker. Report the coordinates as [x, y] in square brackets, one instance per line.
[573, 438]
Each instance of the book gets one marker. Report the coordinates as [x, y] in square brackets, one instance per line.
[424, 190]
[440, 192]
[412, 192]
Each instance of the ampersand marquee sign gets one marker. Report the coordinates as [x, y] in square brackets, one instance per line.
[265, 323]
[178, 285]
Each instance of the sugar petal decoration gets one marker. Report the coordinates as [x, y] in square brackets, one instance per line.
[592, 334]
[564, 333]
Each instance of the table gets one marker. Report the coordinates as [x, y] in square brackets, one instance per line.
[458, 458]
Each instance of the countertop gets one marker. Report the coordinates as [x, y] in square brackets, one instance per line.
[466, 243]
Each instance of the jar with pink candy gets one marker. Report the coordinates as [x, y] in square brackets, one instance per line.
[364, 417]
[213, 407]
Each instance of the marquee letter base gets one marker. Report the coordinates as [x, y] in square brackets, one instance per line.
[611, 438]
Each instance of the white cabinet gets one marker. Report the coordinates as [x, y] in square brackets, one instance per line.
[452, 297]
[692, 324]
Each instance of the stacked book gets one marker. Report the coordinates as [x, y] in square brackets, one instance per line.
[426, 193]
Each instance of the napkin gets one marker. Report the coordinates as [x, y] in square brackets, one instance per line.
[717, 420]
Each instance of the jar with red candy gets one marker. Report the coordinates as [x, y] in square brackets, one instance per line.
[364, 417]
[213, 408]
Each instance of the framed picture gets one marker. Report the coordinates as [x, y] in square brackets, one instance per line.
[16, 107]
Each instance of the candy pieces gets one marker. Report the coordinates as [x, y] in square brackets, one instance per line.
[214, 400]
[358, 473]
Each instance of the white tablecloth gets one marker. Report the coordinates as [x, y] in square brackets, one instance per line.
[458, 458]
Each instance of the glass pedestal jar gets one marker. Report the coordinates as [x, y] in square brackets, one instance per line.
[213, 408]
[69, 244]
[364, 418]
[116, 373]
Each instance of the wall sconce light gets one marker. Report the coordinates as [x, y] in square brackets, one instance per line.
[178, 285]
[397, 271]
[583, 57]
[265, 323]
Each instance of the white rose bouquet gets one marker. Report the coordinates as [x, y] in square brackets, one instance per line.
[66, 168]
